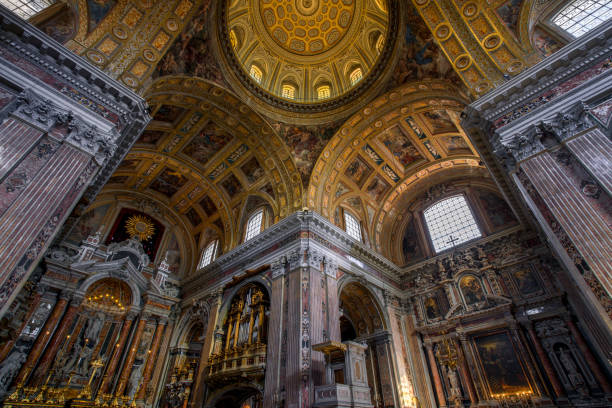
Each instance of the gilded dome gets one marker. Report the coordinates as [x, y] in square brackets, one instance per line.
[307, 27]
[300, 55]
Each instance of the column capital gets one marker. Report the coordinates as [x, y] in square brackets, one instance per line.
[42, 113]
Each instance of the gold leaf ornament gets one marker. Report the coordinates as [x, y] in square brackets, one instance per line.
[140, 227]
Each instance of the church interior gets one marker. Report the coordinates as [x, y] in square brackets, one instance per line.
[305, 203]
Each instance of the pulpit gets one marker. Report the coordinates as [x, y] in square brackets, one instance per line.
[346, 380]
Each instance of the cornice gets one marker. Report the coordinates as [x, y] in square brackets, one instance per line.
[567, 62]
[304, 230]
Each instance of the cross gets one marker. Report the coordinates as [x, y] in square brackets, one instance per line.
[452, 240]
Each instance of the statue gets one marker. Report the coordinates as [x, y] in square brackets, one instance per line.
[571, 370]
[94, 325]
[10, 367]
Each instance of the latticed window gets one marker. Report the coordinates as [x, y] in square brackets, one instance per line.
[581, 16]
[27, 8]
[256, 73]
[323, 92]
[254, 225]
[352, 226]
[356, 76]
[450, 222]
[288, 91]
[209, 253]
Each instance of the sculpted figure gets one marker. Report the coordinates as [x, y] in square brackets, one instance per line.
[10, 367]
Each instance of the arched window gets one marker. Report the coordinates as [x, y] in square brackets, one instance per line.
[450, 222]
[352, 226]
[209, 253]
[254, 225]
[581, 16]
[323, 92]
[27, 8]
[256, 73]
[288, 91]
[355, 76]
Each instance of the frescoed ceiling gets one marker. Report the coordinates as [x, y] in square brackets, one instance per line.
[219, 140]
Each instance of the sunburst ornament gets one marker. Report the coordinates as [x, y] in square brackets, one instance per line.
[140, 227]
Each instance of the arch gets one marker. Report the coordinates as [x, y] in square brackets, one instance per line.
[229, 294]
[197, 108]
[362, 308]
[402, 138]
[231, 396]
[87, 283]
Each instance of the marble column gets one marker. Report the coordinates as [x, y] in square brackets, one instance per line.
[116, 354]
[58, 339]
[42, 339]
[131, 356]
[433, 366]
[151, 358]
[590, 359]
[543, 356]
[199, 387]
[465, 374]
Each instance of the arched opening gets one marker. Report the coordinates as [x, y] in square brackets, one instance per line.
[362, 321]
[239, 396]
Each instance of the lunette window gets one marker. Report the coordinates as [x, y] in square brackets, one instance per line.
[254, 225]
[352, 226]
[450, 222]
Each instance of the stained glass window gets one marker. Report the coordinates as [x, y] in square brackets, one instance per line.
[352, 226]
[26, 8]
[209, 253]
[254, 225]
[450, 222]
[581, 16]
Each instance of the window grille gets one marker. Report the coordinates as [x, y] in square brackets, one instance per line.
[288, 91]
[256, 74]
[450, 222]
[356, 76]
[209, 253]
[352, 226]
[323, 92]
[26, 8]
[254, 225]
[581, 16]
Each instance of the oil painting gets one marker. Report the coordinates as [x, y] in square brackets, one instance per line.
[471, 289]
[252, 170]
[526, 282]
[503, 371]
[498, 211]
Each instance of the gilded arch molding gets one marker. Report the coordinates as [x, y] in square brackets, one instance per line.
[403, 136]
[243, 138]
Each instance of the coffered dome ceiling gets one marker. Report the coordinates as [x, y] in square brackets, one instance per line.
[304, 56]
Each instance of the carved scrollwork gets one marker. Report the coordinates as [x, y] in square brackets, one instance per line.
[44, 114]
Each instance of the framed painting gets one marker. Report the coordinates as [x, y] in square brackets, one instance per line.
[502, 367]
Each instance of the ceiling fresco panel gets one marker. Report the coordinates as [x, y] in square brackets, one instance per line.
[168, 182]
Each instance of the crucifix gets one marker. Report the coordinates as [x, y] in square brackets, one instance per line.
[452, 240]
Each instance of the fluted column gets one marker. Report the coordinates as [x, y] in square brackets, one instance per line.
[588, 356]
[117, 351]
[43, 338]
[129, 361]
[435, 374]
[152, 355]
[546, 363]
